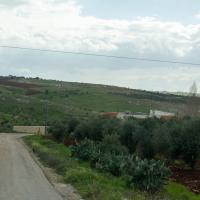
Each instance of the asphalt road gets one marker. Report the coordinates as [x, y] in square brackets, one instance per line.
[20, 177]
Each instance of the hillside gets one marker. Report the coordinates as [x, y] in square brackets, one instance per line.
[22, 100]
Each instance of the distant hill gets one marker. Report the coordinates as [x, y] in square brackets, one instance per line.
[22, 100]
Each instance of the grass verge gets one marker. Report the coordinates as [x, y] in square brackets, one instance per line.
[91, 184]
[178, 191]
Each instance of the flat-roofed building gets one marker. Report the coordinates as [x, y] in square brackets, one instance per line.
[162, 114]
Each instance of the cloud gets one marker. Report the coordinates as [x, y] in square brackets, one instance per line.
[197, 16]
[12, 3]
[61, 25]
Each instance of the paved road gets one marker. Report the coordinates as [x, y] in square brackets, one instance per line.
[20, 177]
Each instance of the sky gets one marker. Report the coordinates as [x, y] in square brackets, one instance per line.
[154, 29]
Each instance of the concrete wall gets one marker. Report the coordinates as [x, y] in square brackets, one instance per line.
[30, 129]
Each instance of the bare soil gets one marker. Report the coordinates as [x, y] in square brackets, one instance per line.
[187, 177]
[18, 84]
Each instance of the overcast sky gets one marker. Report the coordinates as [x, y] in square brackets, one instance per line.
[154, 29]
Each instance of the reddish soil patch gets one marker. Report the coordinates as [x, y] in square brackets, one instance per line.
[69, 142]
[110, 114]
[18, 84]
[31, 92]
[187, 177]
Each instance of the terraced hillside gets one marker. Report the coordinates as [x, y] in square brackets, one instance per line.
[22, 100]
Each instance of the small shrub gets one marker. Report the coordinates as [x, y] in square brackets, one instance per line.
[110, 163]
[95, 157]
[80, 174]
[147, 175]
[58, 131]
[84, 150]
[103, 161]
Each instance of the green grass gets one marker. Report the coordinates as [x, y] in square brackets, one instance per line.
[91, 184]
[178, 191]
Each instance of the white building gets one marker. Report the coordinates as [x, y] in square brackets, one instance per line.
[161, 114]
[153, 113]
[125, 115]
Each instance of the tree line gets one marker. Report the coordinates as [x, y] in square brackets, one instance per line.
[138, 149]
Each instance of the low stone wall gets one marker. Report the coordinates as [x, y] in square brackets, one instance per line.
[40, 130]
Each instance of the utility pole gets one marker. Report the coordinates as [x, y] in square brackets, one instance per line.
[46, 111]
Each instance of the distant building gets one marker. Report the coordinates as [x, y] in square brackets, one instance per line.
[161, 114]
[125, 115]
[153, 113]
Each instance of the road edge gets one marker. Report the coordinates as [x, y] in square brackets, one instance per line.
[60, 187]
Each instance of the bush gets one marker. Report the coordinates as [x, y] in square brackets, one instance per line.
[84, 150]
[111, 126]
[176, 141]
[191, 143]
[161, 141]
[58, 131]
[91, 129]
[72, 124]
[104, 160]
[185, 141]
[82, 131]
[112, 145]
[95, 129]
[147, 175]
[5, 125]
[130, 135]
[145, 148]
[110, 163]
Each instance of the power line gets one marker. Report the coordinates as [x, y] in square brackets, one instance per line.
[101, 55]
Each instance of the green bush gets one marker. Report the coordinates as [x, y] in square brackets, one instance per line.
[111, 126]
[190, 145]
[58, 131]
[105, 161]
[82, 131]
[130, 135]
[72, 123]
[185, 141]
[110, 163]
[111, 144]
[176, 141]
[147, 175]
[84, 150]
[5, 125]
[145, 148]
[161, 141]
